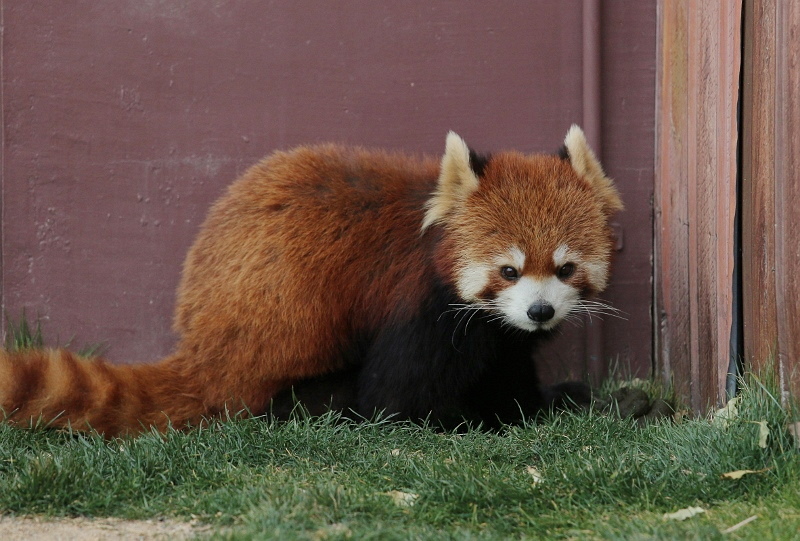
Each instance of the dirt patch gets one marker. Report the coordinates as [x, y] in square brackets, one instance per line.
[84, 529]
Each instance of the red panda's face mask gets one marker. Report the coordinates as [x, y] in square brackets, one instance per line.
[529, 234]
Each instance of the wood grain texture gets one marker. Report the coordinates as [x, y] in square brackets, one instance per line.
[671, 231]
[758, 178]
[696, 195]
[771, 188]
[788, 231]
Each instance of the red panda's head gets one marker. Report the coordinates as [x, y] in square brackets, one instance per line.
[528, 236]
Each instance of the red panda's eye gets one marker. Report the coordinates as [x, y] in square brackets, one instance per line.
[509, 273]
[566, 270]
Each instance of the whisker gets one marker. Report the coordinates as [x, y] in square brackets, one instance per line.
[599, 304]
[472, 315]
[597, 308]
[466, 312]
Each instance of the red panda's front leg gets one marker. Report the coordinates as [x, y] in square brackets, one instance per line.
[413, 371]
[441, 371]
[426, 367]
[510, 392]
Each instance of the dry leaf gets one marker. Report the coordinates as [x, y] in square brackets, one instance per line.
[731, 411]
[735, 527]
[402, 499]
[763, 434]
[679, 416]
[535, 475]
[395, 452]
[794, 430]
[738, 474]
[683, 514]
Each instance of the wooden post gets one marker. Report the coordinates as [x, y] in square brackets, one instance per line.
[696, 194]
[771, 189]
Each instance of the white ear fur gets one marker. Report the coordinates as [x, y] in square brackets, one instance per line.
[585, 163]
[456, 181]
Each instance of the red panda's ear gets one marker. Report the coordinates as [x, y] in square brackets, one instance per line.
[456, 181]
[585, 163]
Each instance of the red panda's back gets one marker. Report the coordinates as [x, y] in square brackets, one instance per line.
[304, 252]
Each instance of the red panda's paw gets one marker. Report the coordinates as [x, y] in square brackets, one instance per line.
[570, 395]
[632, 402]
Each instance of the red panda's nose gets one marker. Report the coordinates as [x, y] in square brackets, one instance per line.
[541, 312]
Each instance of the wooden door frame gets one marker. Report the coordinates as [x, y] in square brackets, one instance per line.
[771, 190]
[695, 195]
[709, 316]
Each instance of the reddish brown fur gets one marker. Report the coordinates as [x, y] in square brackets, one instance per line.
[566, 203]
[265, 299]
[307, 252]
[59, 389]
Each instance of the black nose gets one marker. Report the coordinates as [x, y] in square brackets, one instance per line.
[541, 312]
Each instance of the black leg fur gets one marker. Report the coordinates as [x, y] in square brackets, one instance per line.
[332, 392]
[432, 368]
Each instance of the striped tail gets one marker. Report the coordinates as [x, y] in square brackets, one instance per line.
[57, 388]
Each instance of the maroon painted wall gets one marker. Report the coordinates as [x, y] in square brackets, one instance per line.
[123, 121]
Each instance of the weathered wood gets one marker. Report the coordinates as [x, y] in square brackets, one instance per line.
[758, 240]
[696, 195]
[671, 209]
[788, 109]
[771, 188]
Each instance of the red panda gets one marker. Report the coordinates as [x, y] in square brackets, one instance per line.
[428, 280]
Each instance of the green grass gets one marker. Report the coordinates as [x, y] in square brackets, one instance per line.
[23, 335]
[603, 478]
[322, 478]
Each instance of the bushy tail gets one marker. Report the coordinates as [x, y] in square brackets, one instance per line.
[60, 389]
